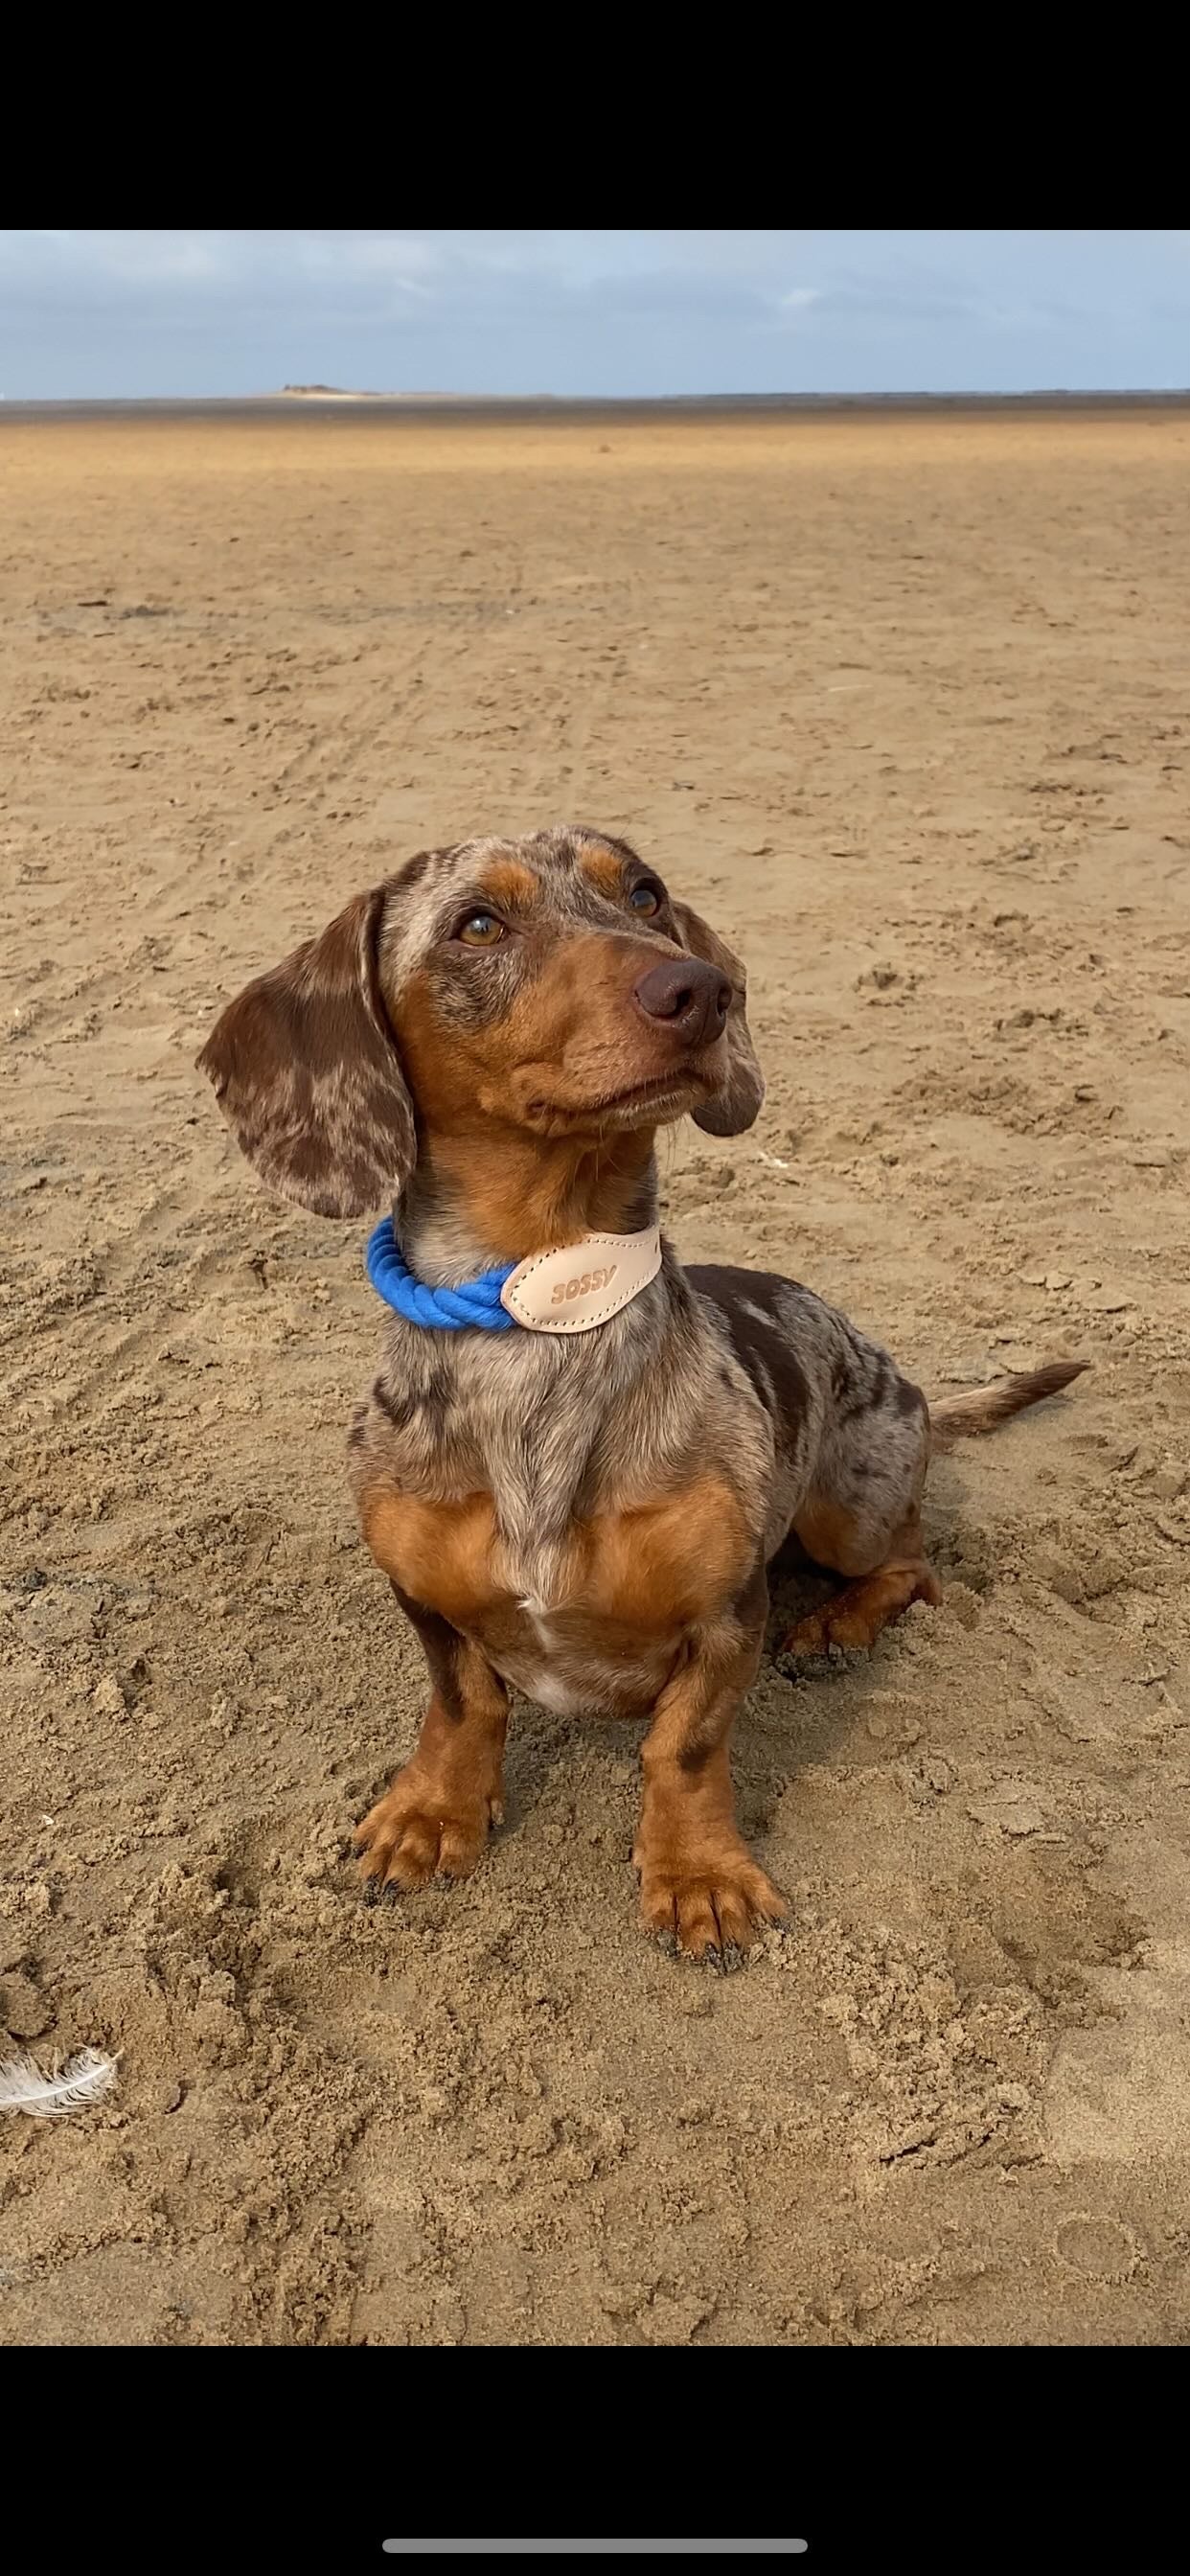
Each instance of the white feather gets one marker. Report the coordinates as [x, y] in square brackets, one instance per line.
[84, 2079]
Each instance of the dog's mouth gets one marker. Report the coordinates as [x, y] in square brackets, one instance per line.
[661, 1086]
[662, 1094]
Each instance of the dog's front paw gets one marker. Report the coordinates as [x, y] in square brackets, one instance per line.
[709, 1900]
[422, 1829]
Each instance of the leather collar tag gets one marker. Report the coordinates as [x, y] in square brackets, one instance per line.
[585, 1283]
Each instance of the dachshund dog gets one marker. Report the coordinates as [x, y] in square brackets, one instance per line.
[578, 1458]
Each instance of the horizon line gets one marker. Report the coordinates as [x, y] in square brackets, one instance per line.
[294, 394]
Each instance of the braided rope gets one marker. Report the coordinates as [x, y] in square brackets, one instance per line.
[447, 1310]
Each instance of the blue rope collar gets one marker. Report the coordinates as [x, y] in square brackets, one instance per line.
[449, 1310]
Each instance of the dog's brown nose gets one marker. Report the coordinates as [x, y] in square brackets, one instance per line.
[691, 998]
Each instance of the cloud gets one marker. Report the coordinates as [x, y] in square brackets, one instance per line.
[590, 311]
[224, 263]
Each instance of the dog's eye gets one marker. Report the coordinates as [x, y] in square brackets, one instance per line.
[645, 898]
[480, 930]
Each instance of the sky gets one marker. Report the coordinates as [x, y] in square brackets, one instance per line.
[93, 314]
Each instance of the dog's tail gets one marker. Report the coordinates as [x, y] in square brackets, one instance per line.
[963, 1417]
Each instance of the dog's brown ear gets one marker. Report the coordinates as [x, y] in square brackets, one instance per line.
[737, 1101]
[307, 1075]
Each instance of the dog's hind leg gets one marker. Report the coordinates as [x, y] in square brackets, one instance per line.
[863, 1520]
[857, 1614]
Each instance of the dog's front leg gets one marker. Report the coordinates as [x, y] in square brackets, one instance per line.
[698, 1879]
[435, 1817]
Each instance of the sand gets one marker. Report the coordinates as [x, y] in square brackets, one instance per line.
[901, 701]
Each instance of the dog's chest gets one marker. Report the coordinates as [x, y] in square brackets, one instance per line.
[592, 1617]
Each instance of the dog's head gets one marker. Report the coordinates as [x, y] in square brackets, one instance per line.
[549, 984]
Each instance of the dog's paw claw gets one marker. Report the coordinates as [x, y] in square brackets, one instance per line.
[421, 1829]
[713, 1910]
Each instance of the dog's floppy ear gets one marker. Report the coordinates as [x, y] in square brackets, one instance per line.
[737, 1101]
[306, 1072]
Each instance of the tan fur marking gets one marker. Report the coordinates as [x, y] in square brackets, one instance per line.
[640, 1573]
[516, 1116]
[671, 1565]
[521, 1191]
[572, 1038]
[604, 870]
[522, 1195]
[504, 882]
[439, 1553]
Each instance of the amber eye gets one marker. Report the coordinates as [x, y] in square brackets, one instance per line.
[645, 898]
[480, 930]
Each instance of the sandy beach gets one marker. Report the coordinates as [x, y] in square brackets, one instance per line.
[899, 700]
